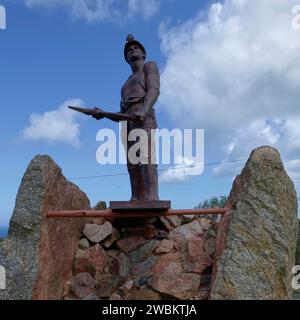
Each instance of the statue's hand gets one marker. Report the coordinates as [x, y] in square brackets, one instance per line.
[140, 116]
[98, 114]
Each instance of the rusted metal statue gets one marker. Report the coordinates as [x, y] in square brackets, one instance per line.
[139, 94]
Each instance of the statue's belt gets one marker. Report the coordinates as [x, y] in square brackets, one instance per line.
[131, 101]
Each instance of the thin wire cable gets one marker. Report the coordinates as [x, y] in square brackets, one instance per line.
[176, 168]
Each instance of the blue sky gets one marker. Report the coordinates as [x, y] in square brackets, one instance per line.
[226, 67]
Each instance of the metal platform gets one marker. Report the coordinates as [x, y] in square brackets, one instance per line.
[140, 205]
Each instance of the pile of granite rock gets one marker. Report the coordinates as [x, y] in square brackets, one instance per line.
[151, 259]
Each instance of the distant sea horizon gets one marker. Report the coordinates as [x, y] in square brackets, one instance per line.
[3, 231]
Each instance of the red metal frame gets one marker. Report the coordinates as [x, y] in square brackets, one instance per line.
[109, 213]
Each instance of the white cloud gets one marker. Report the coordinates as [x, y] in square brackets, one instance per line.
[147, 8]
[281, 134]
[100, 10]
[55, 126]
[293, 168]
[178, 173]
[239, 65]
[235, 71]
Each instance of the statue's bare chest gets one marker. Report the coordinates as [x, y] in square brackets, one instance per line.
[134, 86]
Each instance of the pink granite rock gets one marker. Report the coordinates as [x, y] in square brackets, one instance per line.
[146, 231]
[169, 263]
[142, 294]
[93, 261]
[205, 223]
[171, 222]
[165, 246]
[199, 260]
[186, 232]
[110, 240]
[39, 251]
[83, 285]
[129, 244]
[183, 286]
[107, 285]
[96, 233]
[256, 242]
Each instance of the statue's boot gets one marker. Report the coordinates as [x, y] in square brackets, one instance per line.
[150, 181]
[137, 184]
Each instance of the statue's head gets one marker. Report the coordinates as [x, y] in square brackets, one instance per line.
[133, 49]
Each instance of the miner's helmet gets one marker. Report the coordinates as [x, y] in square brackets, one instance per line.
[129, 42]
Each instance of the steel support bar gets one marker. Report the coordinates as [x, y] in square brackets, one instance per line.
[109, 213]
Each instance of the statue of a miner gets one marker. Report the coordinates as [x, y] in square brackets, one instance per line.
[139, 94]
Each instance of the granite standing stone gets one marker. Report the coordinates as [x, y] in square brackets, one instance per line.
[256, 240]
[38, 252]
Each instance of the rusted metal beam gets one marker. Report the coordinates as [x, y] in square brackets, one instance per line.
[109, 213]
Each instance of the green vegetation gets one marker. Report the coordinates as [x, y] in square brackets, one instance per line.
[214, 202]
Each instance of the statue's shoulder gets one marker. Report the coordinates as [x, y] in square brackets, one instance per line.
[151, 67]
